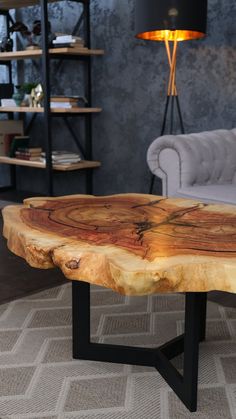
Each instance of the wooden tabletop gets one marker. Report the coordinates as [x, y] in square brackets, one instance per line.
[132, 243]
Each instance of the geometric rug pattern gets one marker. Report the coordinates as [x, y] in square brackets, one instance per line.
[39, 378]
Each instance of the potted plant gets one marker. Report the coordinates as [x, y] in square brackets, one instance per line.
[27, 87]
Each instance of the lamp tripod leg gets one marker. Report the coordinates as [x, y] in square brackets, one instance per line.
[172, 97]
[172, 114]
[165, 115]
[180, 115]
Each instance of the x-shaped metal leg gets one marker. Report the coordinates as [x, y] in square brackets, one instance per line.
[185, 386]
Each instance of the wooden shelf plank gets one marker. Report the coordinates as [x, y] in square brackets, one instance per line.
[37, 53]
[84, 164]
[25, 109]
[16, 4]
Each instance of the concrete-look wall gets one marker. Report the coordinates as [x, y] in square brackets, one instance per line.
[129, 83]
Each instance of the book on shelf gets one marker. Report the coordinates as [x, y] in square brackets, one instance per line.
[30, 150]
[62, 39]
[62, 157]
[64, 102]
[8, 103]
[6, 144]
[23, 156]
[62, 162]
[63, 105]
[71, 45]
[66, 37]
[71, 42]
[58, 154]
[68, 102]
[28, 153]
[70, 99]
[68, 41]
[32, 47]
[18, 141]
[8, 130]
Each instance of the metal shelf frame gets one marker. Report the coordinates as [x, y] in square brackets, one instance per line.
[46, 57]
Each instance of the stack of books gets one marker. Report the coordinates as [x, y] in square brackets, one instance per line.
[63, 41]
[64, 102]
[62, 157]
[28, 153]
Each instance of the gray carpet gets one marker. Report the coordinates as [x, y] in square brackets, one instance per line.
[39, 378]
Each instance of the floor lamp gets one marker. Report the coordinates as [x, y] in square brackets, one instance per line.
[170, 21]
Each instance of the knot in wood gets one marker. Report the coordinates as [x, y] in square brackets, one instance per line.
[73, 264]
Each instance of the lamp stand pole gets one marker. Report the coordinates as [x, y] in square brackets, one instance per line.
[172, 98]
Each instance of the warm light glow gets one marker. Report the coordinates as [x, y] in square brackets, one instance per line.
[167, 35]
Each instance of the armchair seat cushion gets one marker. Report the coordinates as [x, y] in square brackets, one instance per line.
[210, 193]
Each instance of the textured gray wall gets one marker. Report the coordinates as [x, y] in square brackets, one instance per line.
[129, 83]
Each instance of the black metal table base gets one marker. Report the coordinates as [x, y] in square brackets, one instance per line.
[185, 386]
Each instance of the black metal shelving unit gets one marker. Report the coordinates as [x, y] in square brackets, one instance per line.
[47, 55]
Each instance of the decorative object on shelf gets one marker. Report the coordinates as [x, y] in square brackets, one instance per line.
[18, 96]
[27, 89]
[33, 36]
[6, 44]
[36, 98]
[170, 21]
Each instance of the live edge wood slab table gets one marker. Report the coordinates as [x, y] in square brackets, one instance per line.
[136, 245]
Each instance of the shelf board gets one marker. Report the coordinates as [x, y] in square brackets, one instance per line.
[84, 164]
[37, 53]
[26, 109]
[16, 4]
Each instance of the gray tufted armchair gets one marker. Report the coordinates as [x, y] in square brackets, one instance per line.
[198, 166]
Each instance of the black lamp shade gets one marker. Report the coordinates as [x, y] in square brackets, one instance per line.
[180, 20]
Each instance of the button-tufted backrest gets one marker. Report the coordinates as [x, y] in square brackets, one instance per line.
[211, 157]
[204, 158]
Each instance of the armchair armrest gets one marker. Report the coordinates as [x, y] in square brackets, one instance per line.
[164, 162]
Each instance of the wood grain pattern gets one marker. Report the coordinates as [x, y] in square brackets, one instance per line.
[135, 244]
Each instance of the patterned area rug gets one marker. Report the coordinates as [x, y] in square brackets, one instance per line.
[39, 378]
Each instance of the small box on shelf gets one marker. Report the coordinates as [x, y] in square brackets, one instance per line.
[8, 130]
